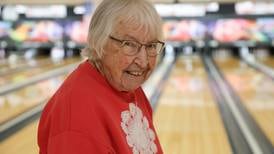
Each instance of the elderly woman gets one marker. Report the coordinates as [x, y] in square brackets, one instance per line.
[101, 108]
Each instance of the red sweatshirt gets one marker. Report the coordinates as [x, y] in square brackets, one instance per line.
[87, 116]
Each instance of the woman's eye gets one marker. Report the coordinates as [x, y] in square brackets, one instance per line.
[130, 43]
[152, 46]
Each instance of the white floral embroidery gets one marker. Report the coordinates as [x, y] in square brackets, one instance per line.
[138, 134]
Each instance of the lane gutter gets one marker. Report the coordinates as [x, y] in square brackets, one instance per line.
[253, 135]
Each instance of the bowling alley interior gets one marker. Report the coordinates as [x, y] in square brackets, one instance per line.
[212, 91]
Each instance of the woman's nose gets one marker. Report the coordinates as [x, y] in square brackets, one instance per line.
[142, 57]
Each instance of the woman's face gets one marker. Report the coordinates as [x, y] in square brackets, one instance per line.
[124, 72]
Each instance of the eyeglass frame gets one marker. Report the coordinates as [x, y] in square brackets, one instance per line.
[140, 45]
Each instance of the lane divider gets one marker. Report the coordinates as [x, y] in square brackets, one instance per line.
[238, 116]
[256, 139]
[46, 75]
[251, 61]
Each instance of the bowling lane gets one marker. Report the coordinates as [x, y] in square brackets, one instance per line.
[16, 102]
[187, 119]
[263, 56]
[255, 90]
[268, 61]
[20, 76]
[23, 141]
[13, 64]
[19, 101]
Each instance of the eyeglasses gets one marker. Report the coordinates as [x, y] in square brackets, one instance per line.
[130, 47]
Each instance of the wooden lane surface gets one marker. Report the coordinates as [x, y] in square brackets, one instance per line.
[264, 57]
[22, 142]
[17, 102]
[6, 63]
[268, 61]
[14, 66]
[255, 90]
[187, 119]
[20, 76]
[14, 103]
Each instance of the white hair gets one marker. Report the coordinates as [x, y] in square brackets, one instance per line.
[110, 12]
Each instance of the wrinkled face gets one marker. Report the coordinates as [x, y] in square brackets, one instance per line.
[123, 72]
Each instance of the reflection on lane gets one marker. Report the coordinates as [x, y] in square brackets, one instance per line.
[13, 64]
[23, 141]
[268, 61]
[16, 102]
[20, 101]
[187, 118]
[264, 56]
[255, 90]
[20, 76]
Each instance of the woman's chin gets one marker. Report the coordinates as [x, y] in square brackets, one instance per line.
[131, 87]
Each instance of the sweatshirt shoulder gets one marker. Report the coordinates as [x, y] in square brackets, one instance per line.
[72, 102]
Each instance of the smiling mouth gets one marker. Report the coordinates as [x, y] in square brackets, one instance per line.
[135, 73]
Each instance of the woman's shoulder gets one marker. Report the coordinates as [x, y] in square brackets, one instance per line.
[76, 96]
[70, 107]
[83, 80]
